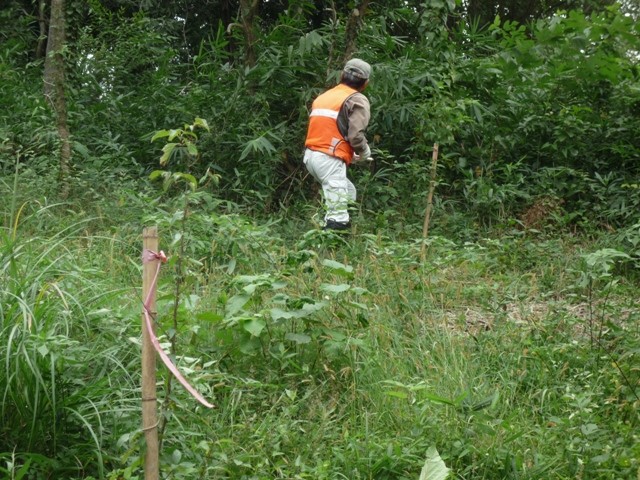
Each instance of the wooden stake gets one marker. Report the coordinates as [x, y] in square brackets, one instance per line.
[432, 187]
[149, 401]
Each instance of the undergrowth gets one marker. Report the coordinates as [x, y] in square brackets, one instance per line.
[326, 356]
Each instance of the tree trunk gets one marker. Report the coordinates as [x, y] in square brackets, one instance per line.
[248, 11]
[54, 89]
[353, 28]
[42, 23]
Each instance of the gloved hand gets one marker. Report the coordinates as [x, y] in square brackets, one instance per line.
[357, 159]
[364, 156]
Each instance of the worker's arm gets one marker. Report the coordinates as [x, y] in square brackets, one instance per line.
[358, 111]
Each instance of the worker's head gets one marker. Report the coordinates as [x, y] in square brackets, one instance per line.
[355, 74]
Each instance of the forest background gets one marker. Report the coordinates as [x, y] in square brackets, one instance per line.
[503, 345]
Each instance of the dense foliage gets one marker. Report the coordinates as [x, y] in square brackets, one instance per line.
[511, 346]
[540, 112]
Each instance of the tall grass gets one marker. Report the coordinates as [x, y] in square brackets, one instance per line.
[61, 379]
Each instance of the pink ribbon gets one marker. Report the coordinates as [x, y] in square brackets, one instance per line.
[149, 256]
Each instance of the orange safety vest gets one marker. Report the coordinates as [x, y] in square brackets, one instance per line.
[323, 134]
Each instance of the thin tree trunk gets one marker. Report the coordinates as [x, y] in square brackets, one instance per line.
[353, 28]
[54, 89]
[432, 187]
[41, 48]
[248, 12]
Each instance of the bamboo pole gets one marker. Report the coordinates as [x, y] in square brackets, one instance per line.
[432, 187]
[149, 401]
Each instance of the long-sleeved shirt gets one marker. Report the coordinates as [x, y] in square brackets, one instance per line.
[353, 120]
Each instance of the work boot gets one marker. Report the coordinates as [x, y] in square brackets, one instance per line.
[333, 225]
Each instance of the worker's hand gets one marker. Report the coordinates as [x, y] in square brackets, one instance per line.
[360, 159]
[365, 155]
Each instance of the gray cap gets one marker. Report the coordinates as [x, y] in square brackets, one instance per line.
[358, 68]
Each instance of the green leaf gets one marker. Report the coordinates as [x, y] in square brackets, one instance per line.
[299, 338]
[209, 317]
[262, 279]
[278, 313]
[601, 458]
[434, 467]
[330, 288]
[167, 151]
[309, 308]
[160, 134]
[23, 470]
[81, 149]
[236, 303]
[191, 302]
[190, 179]
[192, 149]
[396, 394]
[201, 122]
[157, 174]
[278, 285]
[231, 266]
[176, 456]
[250, 345]
[254, 326]
[361, 306]
[589, 429]
[437, 399]
[360, 291]
[259, 145]
[338, 268]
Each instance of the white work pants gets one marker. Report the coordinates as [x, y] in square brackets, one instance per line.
[338, 190]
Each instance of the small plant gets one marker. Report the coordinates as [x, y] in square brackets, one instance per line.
[597, 281]
[293, 330]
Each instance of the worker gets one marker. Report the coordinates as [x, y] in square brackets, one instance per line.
[336, 139]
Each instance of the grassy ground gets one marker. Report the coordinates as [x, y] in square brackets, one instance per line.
[327, 357]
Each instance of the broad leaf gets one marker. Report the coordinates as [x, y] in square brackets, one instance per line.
[254, 326]
[299, 338]
[330, 288]
[236, 303]
[201, 122]
[160, 134]
[167, 151]
[338, 268]
[434, 467]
